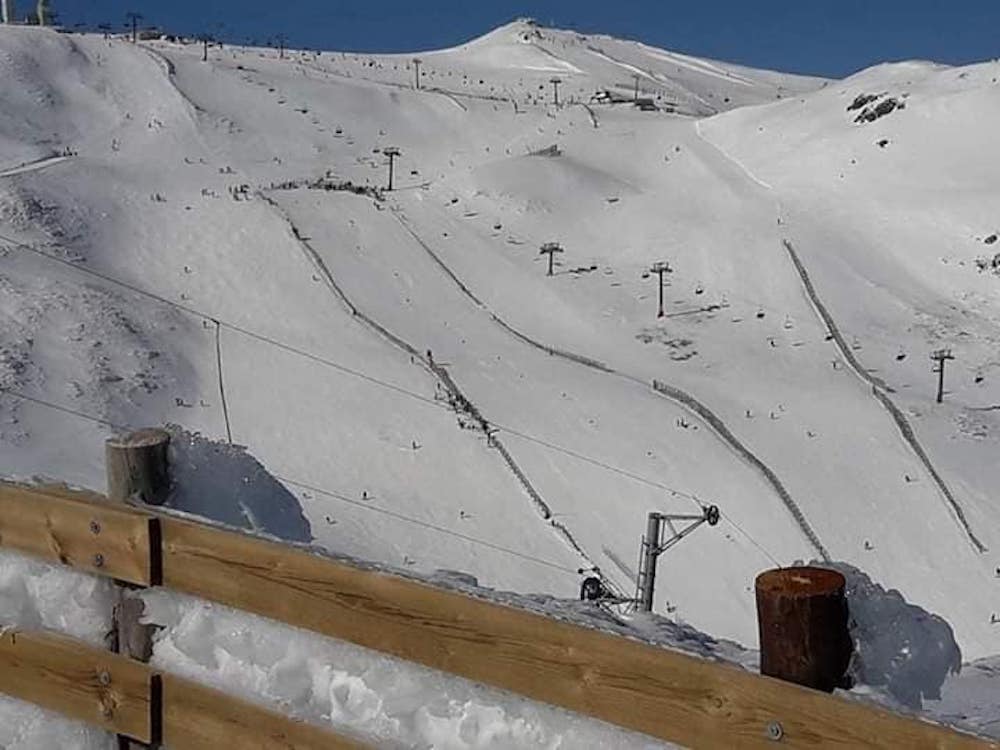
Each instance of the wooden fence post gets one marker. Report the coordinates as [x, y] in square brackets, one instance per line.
[137, 466]
[137, 469]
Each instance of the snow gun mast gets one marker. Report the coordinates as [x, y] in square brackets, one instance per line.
[655, 543]
[598, 588]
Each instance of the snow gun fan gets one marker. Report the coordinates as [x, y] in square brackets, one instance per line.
[598, 588]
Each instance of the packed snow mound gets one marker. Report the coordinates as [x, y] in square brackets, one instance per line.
[972, 698]
[897, 646]
[226, 484]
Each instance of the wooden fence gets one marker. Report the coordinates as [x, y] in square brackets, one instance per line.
[665, 694]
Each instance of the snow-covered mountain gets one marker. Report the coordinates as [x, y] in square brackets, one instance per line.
[366, 339]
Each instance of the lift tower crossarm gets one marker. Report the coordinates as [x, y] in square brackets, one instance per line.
[653, 545]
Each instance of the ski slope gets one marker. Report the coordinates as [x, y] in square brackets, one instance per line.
[201, 234]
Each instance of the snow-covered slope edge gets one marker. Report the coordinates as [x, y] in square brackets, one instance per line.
[164, 190]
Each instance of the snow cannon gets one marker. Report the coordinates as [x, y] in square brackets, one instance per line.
[655, 543]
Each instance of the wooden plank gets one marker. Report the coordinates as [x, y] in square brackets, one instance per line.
[79, 529]
[665, 694]
[77, 680]
[200, 718]
[115, 693]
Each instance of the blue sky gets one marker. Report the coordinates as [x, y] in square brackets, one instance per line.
[825, 37]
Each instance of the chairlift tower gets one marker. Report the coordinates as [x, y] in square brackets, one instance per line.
[416, 75]
[280, 40]
[392, 152]
[941, 356]
[134, 19]
[660, 268]
[555, 90]
[550, 249]
[205, 40]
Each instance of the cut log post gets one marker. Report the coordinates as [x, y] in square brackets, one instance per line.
[802, 617]
[137, 470]
[137, 466]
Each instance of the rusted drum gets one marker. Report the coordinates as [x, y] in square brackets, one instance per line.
[802, 616]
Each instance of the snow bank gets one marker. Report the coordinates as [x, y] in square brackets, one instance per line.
[36, 595]
[340, 685]
[971, 700]
[225, 483]
[650, 628]
[898, 646]
[24, 726]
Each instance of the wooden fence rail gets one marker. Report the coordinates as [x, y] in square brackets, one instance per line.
[85, 683]
[665, 694]
[132, 699]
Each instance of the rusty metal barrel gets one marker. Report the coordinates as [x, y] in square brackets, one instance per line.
[802, 616]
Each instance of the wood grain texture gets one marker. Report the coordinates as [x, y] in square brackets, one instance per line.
[200, 718]
[81, 530]
[79, 681]
[662, 693]
[137, 466]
